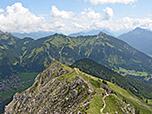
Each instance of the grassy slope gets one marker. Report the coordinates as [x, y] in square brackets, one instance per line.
[114, 102]
[96, 103]
[113, 105]
[131, 99]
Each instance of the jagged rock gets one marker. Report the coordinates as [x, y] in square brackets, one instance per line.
[61, 72]
[129, 107]
[86, 105]
[52, 93]
[101, 35]
[74, 93]
[133, 111]
[79, 112]
[108, 90]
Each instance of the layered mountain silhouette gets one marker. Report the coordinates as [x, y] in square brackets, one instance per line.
[34, 35]
[140, 39]
[19, 55]
[89, 33]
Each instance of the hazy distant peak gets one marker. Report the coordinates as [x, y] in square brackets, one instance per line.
[90, 33]
[139, 38]
[101, 34]
[1, 32]
[5, 33]
[34, 35]
[138, 29]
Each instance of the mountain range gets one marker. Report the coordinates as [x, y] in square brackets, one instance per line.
[34, 35]
[140, 39]
[89, 33]
[24, 58]
[61, 89]
[20, 55]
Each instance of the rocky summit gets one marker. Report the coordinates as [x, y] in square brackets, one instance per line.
[62, 90]
[56, 90]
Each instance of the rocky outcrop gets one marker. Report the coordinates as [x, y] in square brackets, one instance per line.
[57, 90]
[62, 90]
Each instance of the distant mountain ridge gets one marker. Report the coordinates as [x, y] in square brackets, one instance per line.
[140, 39]
[26, 54]
[34, 35]
[91, 33]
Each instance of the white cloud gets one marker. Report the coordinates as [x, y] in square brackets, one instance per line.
[20, 19]
[77, 25]
[16, 18]
[91, 14]
[125, 23]
[56, 13]
[95, 2]
[1, 10]
[85, 19]
[108, 13]
[88, 19]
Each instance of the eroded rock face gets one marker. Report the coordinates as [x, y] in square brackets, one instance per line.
[52, 93]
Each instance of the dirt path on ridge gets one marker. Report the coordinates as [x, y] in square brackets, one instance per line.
[104, 103]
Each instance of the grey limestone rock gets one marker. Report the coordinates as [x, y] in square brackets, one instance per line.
[52, 93]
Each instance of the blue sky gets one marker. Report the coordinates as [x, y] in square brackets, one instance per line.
[68, 16]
